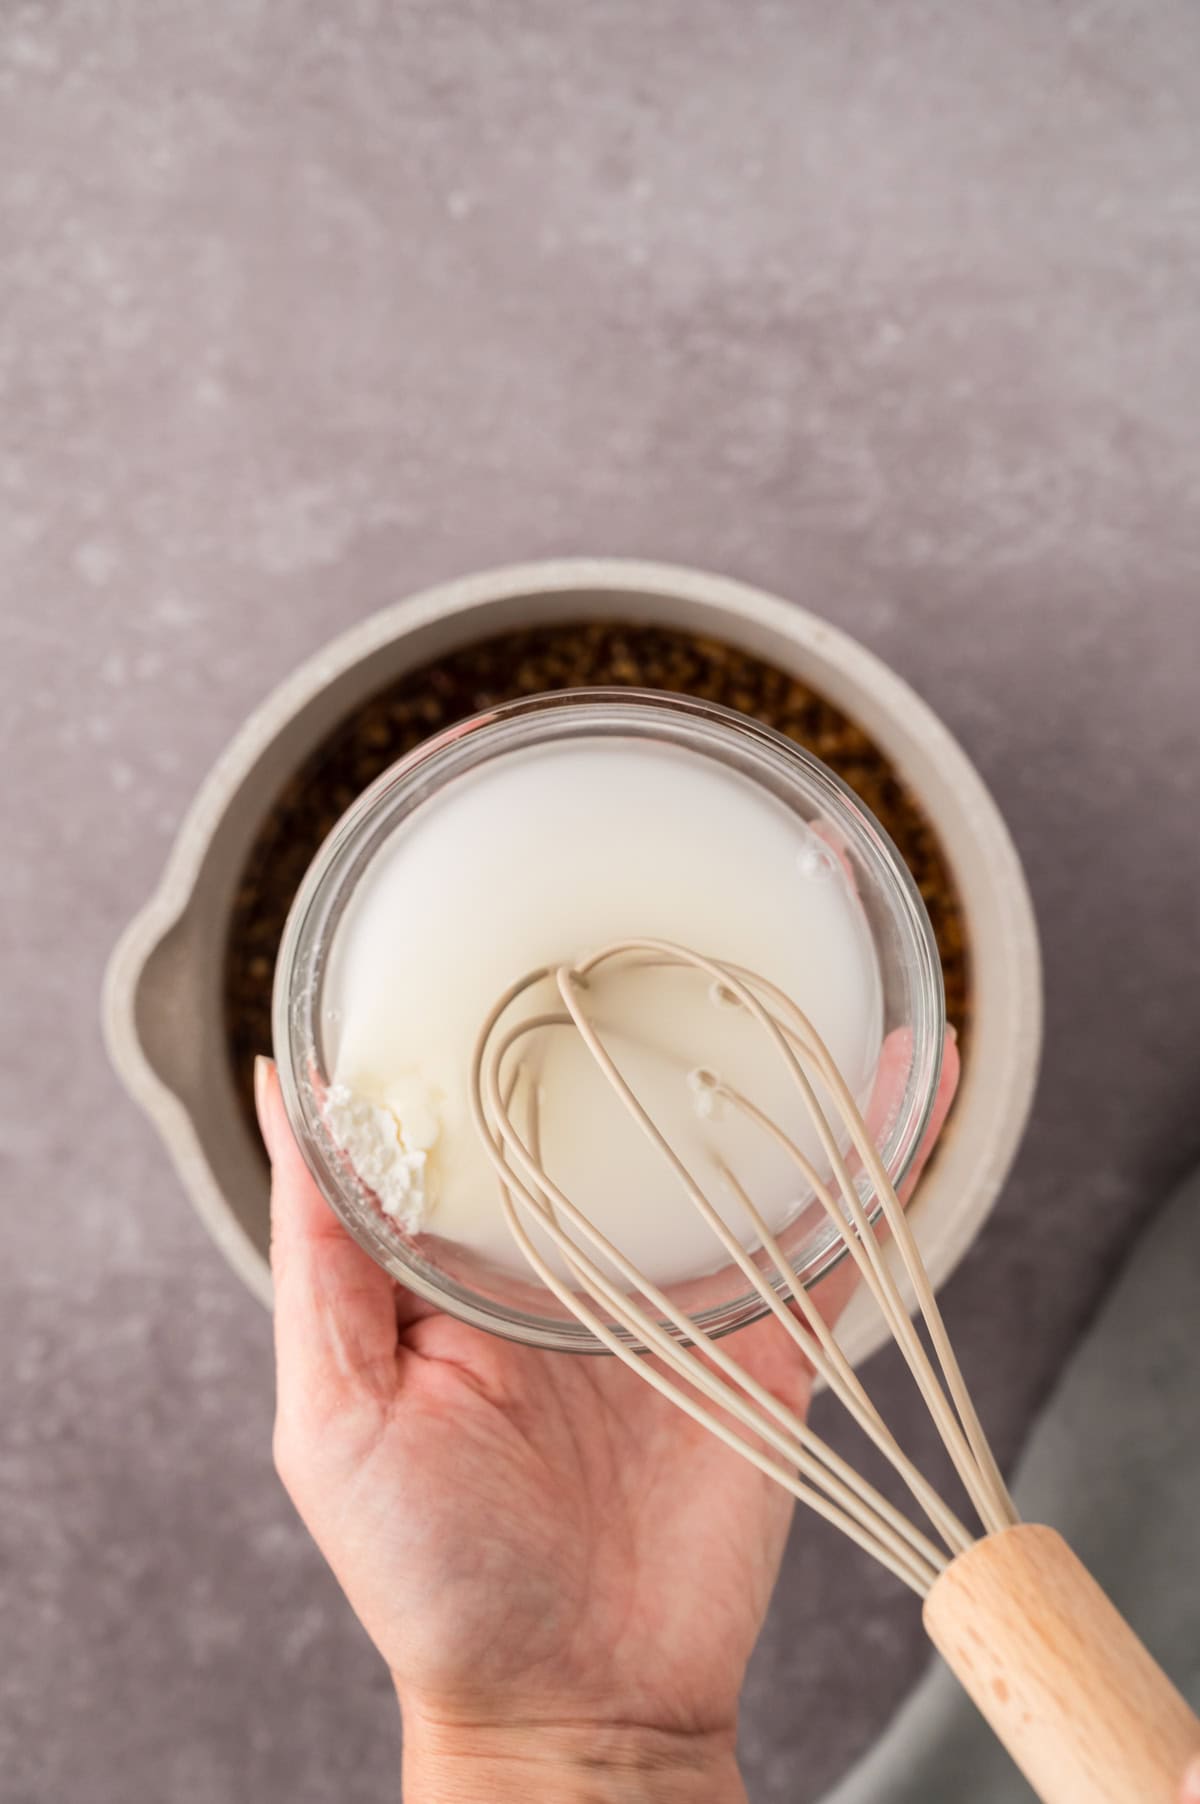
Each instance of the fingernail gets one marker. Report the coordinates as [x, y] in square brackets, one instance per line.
[952, 1031]
[263, 1067]
[1191, 1783]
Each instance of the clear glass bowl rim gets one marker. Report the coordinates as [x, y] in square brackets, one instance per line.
[438, 759]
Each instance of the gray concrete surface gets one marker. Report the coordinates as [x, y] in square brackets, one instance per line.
[893, 309]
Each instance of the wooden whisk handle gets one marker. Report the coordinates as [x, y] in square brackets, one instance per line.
[1086, 1713]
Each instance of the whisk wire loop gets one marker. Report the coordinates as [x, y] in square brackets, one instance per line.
[689, 1366]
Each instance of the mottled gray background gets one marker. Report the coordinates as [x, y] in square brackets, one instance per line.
[892, 308]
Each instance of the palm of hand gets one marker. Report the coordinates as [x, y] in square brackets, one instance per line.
[521, 1533]
[529, 1530]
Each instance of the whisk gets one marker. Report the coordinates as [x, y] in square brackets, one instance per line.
[1078, 1701]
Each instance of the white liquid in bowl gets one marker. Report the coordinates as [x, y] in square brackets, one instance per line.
[541, 856]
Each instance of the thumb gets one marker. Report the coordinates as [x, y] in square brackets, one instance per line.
[335, 1309]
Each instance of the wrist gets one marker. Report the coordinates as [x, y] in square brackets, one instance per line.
[566, 1763]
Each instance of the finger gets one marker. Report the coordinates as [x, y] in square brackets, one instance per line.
[832, 837]
[835, 1292]
[942, 1103]
[773, 1358]
[335, 1310]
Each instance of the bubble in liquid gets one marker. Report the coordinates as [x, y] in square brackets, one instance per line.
[815, 860]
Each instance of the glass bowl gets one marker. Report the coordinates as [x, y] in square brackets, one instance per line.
[913, 1010]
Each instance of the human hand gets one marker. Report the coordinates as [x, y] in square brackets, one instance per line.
[564, 1574]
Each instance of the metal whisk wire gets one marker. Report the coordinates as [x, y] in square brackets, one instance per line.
[690, 1367]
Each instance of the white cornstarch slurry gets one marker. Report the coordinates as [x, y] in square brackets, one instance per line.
[549, 852]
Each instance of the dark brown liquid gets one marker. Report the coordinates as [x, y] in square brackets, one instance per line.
[594, 654]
